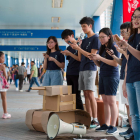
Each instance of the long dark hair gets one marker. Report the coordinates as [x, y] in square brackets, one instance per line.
[1, 53]
[108, 32]
[56, 46]
[133, 31]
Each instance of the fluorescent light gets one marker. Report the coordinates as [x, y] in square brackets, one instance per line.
[55, 19]
[57, 3]
[54, 27]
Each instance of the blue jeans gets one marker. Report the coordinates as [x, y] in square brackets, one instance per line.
[133, 92]
[33, 80]
[16, 81]
[53, 77]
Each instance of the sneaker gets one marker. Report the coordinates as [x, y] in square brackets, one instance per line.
[111, 130]
[16, 89]
[6, 116]
[129, 136]
[27, 90]
[94, 124]
[122, 134]
[104, 127]
[20, 90]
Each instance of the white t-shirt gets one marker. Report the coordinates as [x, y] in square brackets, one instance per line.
[28, 71]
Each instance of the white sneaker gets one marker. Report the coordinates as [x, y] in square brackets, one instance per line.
[16, 89]
[6, 116]
[20, 90]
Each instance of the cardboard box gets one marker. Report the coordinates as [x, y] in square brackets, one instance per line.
[59, 102]
[54, 90]
[37, 119]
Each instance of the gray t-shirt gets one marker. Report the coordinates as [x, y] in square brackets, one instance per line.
[21, 70]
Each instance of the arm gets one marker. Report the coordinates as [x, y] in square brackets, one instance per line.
[45, 60]
[61, 65]
[4, 71]
[42, 73]
[118, 60]
[97, 62]
[32, 72]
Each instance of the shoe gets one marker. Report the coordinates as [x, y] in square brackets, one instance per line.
[16, 89]
[122, 134]
[94, 124]
[129, 136]
[111, 130]
[104, 127]
[20, 90]
[6, 116]
[27, 90]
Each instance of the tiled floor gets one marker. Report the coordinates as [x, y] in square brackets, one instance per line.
[18, 104]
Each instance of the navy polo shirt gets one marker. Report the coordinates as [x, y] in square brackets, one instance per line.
[87, 45]
[108, 70]
[59, 57]
[122, 71]
[73, 65]
[133, 65]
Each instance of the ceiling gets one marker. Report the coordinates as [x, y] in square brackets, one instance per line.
[37, 14]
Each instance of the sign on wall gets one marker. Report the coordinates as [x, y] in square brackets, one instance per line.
[21, 33]
[128, 8]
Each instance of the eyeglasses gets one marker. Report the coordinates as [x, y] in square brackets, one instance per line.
[134, 17]
[102, 37]
[124, 32]
[50, 42]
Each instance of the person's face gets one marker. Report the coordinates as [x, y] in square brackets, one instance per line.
[103, 38]
[125, 33]
[41, 66]
[86, 28]
[2, 58]
[136, 19]
[51, 44]
[32, 63]
[69, 38]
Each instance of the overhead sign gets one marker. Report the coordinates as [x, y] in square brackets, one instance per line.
[128, 8]
[26, 48]
[21, 33]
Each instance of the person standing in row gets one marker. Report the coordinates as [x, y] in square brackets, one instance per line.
[131, 85]
[72, 73]
[53, 62]
[33, 76]
[88, 69]
[21, 74]
[108, 79]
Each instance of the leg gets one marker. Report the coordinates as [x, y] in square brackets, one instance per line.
[46, 81]
[36, 81]
[128, 114]
[133, 92]
[31, 83]
[113, 109]
[106, 110]
[4, 102]
[56, 78]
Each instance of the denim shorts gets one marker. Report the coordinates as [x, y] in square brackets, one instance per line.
[108, 85]
[53, 77]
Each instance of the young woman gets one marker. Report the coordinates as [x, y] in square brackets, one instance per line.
[131, 85]
[53, 62]
[108, 79]
[3, 86]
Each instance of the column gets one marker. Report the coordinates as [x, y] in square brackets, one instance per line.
[97, 24]
[117, 16]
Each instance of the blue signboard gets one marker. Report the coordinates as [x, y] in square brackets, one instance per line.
[26, 48]
[24, 33]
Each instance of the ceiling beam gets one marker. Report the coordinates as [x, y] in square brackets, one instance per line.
[102, 7]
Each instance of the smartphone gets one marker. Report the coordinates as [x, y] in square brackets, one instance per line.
[69, 42]
[109, 51]
[117, 37]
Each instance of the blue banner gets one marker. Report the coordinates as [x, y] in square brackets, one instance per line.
[26, 48]
[21, 33]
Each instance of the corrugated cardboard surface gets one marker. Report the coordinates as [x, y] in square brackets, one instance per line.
[56, 90]
[40, 118]
[59, 102]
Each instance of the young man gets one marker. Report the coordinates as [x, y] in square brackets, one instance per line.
[33, 76]
[125, 33]
[72, 73]
[88, 69]
[21, 73]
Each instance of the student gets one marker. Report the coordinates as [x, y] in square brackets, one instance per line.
[72, 73]
[131, 85]
[125, 33]
[53, 62]
[88, 69]
[3, 86]
[108, 80]
[33, 76]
